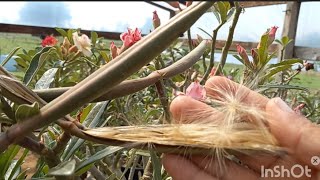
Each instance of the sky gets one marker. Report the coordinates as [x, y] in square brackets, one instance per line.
[117, 16]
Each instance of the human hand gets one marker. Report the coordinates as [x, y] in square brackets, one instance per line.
[294, 132]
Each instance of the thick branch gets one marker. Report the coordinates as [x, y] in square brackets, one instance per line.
[131, 86]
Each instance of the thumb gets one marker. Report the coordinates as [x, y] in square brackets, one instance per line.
[293, 131]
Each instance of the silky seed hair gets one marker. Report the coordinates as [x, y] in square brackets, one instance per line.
[231, 125]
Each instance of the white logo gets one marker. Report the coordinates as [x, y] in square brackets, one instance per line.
[295, 171]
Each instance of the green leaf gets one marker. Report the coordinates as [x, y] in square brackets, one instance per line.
[83, 170]
[97, 156]
[177, 78]
[285, 40]
[63, 169]
[46, 79]
[9, 56]
[205, 32]
[85, 112]
[25, 110]
[263, 50]
[276, 70]
[105, 56]
[94, 37]
[273, 55]
[62, 32]
[278, 41]
[6, 108]
[69, 35]
[6, 159]
[18, 164]
[217, 16]
[222, 10]
[286, 62]
[36, 63]
[238, 58]
[10, 168]
[156, 165]
[92, 120]
[22, 175]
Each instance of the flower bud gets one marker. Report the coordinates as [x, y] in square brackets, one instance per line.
[156, 20]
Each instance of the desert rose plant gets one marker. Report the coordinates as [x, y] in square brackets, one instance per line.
[91, 109]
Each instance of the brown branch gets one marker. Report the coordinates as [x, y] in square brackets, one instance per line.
[49, 156]
[213, 47]
[131, 86]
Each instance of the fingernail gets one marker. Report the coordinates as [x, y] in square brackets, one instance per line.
[282, 105]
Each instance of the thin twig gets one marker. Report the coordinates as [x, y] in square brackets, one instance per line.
[225, 49]
[213, 47]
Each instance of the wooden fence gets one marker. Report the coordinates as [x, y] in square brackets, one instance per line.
[305, 53]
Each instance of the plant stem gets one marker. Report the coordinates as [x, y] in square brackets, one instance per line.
[213, 47]
[131, 86]
[225, 49]
[189, 40]
[133, 167]
[147, 174]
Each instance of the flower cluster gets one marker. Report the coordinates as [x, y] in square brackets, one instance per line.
[128, 39]
[49, 41]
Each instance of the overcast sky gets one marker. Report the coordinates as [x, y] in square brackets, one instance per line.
[117, 16]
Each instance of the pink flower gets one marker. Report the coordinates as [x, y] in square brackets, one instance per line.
[272, 34]
[196, 91]
[155, 20]
[49, 41]
[114, 50]
[131, 37]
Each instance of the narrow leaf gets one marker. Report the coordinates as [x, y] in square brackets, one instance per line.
[36, 63]
[18, 164]
[62, 32]
[9, 56]
[46, 79]
[99, 155]
[94, 37]
[205, 32]
[156, 165]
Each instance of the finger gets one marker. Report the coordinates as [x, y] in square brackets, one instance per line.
[229, 170]
[293, 131]
[181, 168]
[185, 109]
[218, 87]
